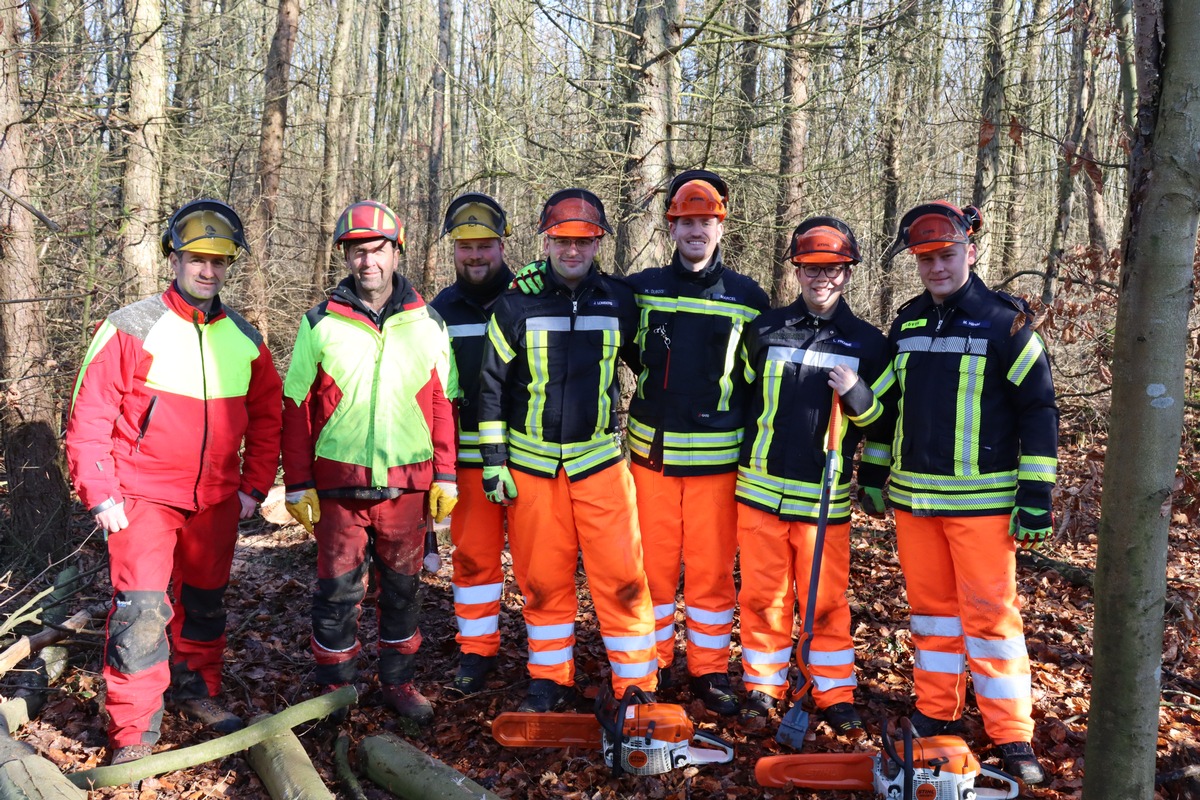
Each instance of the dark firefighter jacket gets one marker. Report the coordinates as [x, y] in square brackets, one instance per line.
[548, 387]
[686, 416]
[789, 353]
[466, 309]
[978, 424]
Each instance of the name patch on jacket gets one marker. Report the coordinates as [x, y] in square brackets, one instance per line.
[601, 304]
[975, 323]
[811, 358]
[843, 343]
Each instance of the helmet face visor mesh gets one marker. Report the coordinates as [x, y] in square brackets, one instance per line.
[934, 226]
[208, 232]
[474, 220]
[573, 213]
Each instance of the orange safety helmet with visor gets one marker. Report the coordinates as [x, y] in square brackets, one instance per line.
[573, 213]
[823, 240]
[697, 193]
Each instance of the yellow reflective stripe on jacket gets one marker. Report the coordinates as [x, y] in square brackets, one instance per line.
[493, 432]
[610, 341]
[966, 422]
[773, 372]
[1037, 468]
[106, 332]
[537, 352]
[1025, 361]
[790, 498]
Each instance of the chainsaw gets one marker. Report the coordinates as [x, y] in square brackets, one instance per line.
[929, 768]
[654, 737]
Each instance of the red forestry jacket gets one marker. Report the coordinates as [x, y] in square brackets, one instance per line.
[165, 400]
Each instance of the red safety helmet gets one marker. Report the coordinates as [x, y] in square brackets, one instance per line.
[932, 226]
[368, 219]
[573, 213]
[823, 240]
[697, 193]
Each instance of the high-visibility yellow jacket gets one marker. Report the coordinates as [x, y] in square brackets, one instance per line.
[366, 406]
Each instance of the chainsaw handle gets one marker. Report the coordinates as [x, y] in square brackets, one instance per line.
[997, 774]
[718, 750]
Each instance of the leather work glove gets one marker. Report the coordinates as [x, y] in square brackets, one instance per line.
[1030, 527]
[498, 485]
[531, 278]
[870, 498]
[304, 507]
[443, 496]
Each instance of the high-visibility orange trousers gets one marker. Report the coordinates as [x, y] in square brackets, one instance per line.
[553, 519]
[477, 531]
[962, 587]
[690, 521]
[776, 566]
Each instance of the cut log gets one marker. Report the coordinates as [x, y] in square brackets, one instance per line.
[286, 770]
[28, 700]
[27, 645]
[409, 773]
[171, 760]
[24, 775]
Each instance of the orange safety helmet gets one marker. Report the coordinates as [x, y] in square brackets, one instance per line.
[823, 240]
[368, 219]
[932, 226]
[573, 213]
[697, 193]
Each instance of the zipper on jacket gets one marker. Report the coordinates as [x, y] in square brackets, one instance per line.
[145, 426]
[204, 394]
[375, 403]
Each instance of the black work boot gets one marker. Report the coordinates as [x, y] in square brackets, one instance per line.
[210, 713]
[473, 671]
[1018, 760]
[756, 709]
[130, 752]
[843, 719]
[929, 726]
[546, 695]
[407, 701]
[714, 690]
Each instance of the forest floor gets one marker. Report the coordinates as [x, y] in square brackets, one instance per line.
[269, 666]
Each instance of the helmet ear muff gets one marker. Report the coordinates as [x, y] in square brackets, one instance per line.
[974, 219]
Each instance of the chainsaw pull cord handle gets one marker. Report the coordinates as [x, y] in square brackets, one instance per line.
[833, 440]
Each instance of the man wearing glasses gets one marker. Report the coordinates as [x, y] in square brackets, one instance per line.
[548, 436]
[796, 358]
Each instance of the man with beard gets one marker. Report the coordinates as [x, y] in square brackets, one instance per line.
[476, 224]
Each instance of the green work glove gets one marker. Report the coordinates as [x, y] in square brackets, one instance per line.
[304, 507]
[531, 278]
[1030, 527]
[498, 485]
[870, 498]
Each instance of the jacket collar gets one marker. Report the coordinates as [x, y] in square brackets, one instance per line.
[404, 298]
[176, 301]
[484, 295]
[705, 277]
[554, 283]
[798, 314]
[971, 298]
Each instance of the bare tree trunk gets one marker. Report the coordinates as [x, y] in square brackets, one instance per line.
[1093, 186]
[270, 162]
[893, 130]
[749, 59]
[797, 65]
[1122, 14]
[437, 131]
[1146, 420]
[1081, 103]
[991, 116]
[1011, 239]
[143, 168]
[651, 98]
[29, 419]
[330, 168]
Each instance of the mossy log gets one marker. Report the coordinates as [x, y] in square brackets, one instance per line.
[286, 770]
[28, 700]
[409, 773]
[24, 775]
[172, 760]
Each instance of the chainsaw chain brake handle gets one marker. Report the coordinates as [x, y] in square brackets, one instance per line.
[905, 764]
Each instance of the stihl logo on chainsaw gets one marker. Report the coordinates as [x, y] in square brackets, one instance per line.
[642, 738]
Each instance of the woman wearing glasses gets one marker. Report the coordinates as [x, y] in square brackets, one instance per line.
[798, 359]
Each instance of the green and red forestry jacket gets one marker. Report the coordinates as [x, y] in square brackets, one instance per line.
[366, 410]
[166, 399]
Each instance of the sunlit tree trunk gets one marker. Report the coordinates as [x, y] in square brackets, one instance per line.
[140, 253]
[437, 132]
[1148, 395]
[991, 117]
[797, 65]
[29, 415]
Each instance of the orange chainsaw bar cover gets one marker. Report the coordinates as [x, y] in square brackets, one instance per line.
[852, 772]
[665, 722]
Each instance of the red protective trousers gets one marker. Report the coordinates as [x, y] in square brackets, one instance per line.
[690, 520]
[961, 579]
[553, 520]
[776, 567]
[192, 550]
[477, 531]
